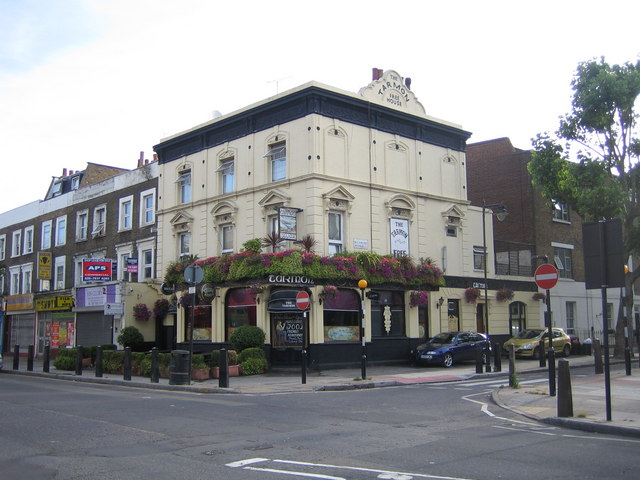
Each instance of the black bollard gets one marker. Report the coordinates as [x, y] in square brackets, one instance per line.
[627, 360]
[155, 366]
[304, 366]
[46, 358]
[30, 359]
[497, 357]
[565, 398]
[79, 360]
[541, 356]
[479, 361]
[552, 372]
[223, 378]
[99, 361]
[127, 363]
[597, 356]
[16, 357]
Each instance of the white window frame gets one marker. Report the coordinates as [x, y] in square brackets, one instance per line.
[479, 252]
[59, 271]
[146, 269]
[123, 252]
[185, 190]
[125, 213]
[16, 243]
[226, 235]
[147, 213]
[277, 155]
[14, 280]
[82, 227]
[27, 278]
[227, 171]
[336, 244]
[3, 246]
[99, 226]
[61, 231]
[182, 251]
[28, 240]
[564, 272]
[46, 235]
[75, 182]
[561, 212]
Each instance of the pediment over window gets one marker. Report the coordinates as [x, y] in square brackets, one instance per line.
[338, 198]
[224, 212]
[400, 206]
[274, 197]
[453, 216]
[181, 222]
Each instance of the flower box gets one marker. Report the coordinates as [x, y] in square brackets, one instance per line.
[234, 371]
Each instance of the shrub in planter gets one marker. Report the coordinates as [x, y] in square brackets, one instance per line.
[136, 362]
[145, 366]
[130, 337]
[232, 358]
[113, 362]
[254, 366]
[66, 359]
[247, 336]
[247, 353]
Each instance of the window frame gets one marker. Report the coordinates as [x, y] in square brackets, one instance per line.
[561, 212]
[277, 162]
[227, 171]
[125, 213]
[27, 240]
[148, 211]
[82, 227]
[46, 235]
[563, 260]
[99, 225]
[15, 277]
[60, 237]
[479, 252]
[337, 243]
[182, 252]
[146, 270]
[185, 183]
[226, 235]
[3, 246]
[26, 274]
[59, 278]
[16, 243]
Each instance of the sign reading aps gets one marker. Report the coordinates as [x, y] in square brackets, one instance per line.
[97, 270]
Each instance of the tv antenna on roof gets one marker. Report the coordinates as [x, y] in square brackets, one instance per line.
[277, 82]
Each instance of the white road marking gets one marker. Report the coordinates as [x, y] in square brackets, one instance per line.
[248, 461]
[297, 474]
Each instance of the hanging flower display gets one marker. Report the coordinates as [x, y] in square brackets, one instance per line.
[471, 294]
[160, 308]
[539, 296]
[418, 298]
[329, 291]
[504, 294]
[255, 290]
[141, 312]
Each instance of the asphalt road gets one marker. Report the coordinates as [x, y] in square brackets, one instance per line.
[63, 430]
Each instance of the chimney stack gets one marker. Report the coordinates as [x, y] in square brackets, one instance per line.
[407, 82]
[141, 159]
[64, 172]
[376, 73]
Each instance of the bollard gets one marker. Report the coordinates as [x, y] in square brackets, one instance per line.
[127, 363]
[223, 378]
[479, 361]
[99, 361]
[627, 360]
[541, 356]
[16, 357]
[597, 356]
[46, 358]
[552, 372]
[497, 357]
[512, 366]
[30, 359]
[79, 360]
[565, 398]
[155, 366]
[304, 366]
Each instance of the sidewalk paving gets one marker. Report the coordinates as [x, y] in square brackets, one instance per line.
[532, 401]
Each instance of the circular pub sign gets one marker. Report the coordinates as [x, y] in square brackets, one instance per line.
[302, 300]
[546, 276]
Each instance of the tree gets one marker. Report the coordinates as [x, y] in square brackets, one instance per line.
[591, 163]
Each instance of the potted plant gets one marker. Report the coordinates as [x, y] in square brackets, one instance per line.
[418, 298]
[233, 368]
[199, 368]
[141, 312]
[471, 294]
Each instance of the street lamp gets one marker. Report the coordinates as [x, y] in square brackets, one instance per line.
[362, 284]
[500, 211]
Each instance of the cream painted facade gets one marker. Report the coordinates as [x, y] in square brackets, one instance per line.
[354, 166]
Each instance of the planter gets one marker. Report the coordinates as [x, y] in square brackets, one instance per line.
[86, 362]
[234, 371]
[200, 374]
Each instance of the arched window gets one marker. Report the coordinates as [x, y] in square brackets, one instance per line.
[387, 314]
[342, 316]
[517, 318]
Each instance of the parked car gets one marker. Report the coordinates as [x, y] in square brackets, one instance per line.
[527, 342]
[447, 348]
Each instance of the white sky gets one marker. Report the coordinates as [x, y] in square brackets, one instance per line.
[101, 80]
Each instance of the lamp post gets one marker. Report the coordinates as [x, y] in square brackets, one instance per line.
[500, 211]
[362, 284]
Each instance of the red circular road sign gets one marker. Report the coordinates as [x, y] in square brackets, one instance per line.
[302, 300]
[546, 276]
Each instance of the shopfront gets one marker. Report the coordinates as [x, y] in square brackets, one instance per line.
[56, 322]
[94, 324]
[20, 322]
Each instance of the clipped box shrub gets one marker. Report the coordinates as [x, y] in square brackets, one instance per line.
[65, 359]
[247, 336]
[254, 366]
[247, 353]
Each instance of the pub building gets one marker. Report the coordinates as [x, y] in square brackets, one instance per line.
[368, 176]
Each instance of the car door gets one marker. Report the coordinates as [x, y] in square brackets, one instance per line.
[464, 347]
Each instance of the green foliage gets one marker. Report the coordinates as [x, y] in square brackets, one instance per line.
[130, 337]
[254, 366]
[232, 358]
[247, 336]
[254, 245]
[198, 362]
[113, 361]
[65, 359]
[252, 352]
[145, 366]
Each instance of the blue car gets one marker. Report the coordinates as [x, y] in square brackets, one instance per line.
[447, 348]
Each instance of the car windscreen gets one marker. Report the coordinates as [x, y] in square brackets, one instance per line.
[530, 333]
[443, 338]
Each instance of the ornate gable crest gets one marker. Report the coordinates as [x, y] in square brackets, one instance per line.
[391, 90]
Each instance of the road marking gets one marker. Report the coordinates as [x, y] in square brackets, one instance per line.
[248, 461]
[297, 474]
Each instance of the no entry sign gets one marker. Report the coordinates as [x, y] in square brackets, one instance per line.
[546, 276]
[302, 300]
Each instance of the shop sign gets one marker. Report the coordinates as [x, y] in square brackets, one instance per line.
[44, 265]
[289, 332]
[287, 223]
[97, 270]
[290, 279]
[132, 265]
[19, 302]
[399, 237]
[53, 303]
[96, 296]
[361, 244]
[114, 309]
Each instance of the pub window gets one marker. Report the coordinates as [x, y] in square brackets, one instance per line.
[277, 155]
[201, 321]
[184, 186]
[341, 315]
[387, 315]
[517, 318]
[478, 258]
[227, 175]
[240, 310]
[336, 233]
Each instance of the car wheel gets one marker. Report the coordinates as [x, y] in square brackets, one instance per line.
[536, 353]
[447, 361]
[566, 351]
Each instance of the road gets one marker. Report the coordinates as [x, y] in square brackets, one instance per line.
[63, 430]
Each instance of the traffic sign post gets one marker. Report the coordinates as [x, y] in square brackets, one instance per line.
[193, 275]
[302, 302]
[546, 277]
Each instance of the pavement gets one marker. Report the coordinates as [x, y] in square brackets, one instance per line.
[532, 400]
